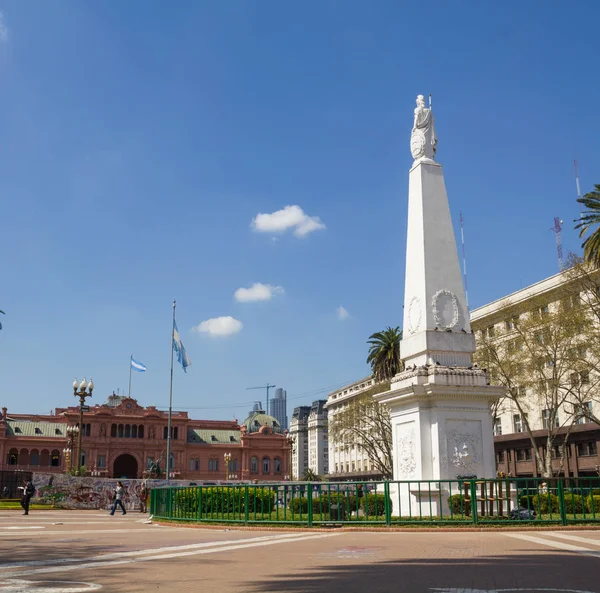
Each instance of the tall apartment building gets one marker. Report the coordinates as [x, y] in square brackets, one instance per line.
[278, 407]
[495, 322]
[348, 463]
[299, 433]
[318, 447]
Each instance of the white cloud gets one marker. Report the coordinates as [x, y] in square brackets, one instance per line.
[3, 29]
[291, 217]
[342, 314]
[257, 292]
[219, 326]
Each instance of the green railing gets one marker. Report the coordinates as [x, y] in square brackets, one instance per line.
[468, 501]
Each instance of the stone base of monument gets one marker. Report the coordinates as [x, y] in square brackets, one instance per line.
[419, 499]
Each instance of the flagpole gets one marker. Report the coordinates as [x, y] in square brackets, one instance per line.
[130, 359]
[168, 464]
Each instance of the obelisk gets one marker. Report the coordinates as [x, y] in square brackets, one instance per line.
[440, 404]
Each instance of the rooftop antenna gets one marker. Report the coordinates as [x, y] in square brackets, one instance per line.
[267, 387]
[462, 239]
[557, 228]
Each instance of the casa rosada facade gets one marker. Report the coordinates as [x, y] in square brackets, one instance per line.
[123, 439]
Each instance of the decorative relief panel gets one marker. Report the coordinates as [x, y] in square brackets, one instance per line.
[464, 449]
[414, 315]
[405, 450]
[446, 310]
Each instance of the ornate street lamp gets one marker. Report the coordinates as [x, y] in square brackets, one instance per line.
[292, 441]
[72, 432]
[227, 458]
[81, 390]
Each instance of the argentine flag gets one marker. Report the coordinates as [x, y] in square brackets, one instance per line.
[138, 366]
[182, 356]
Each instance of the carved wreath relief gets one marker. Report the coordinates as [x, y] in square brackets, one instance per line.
[446, 311]
[464, 449]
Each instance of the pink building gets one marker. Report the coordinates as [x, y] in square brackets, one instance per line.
[122, 439]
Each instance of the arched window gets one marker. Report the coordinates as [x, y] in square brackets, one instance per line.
[266, 465]
[165, 432]
[120, 432]
[88, 430]
[254, 465]
[141, 431]
[192, 464]
[216, 466]
[127, 431]
[234, 465]
[175, 433]
[197, 466]
[134, 431]
[55, 458]
[83, 458]
[113, 430]
[45, 458]
[210, 465]
[277, 465]
[13, 457]
[34, 458]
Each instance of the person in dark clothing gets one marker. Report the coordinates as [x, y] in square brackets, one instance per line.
[28, 492]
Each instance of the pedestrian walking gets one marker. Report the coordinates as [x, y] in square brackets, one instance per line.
[118, 499]
[28, 492]
[143, 499]
[5, 492]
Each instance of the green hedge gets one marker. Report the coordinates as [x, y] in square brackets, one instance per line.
[458, 505]
[188, 501]
[573, 503]
[592, 503]
[371, 504]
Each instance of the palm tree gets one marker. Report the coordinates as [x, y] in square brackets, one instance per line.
[384, 353]
[590, 218]
[310, 476]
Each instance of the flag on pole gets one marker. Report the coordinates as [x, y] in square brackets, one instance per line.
[137, 366]
[182, 356]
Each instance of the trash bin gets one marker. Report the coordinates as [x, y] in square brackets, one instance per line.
[337, 512]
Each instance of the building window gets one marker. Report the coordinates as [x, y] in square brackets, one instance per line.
[101, 461]
[497, 427]
[580, 412]
[127, 431]
[120, 431]
[277, 465]
[192, 464]
[523, 454]
[587, 449]
[88, 430]
[500, 457]
[141, 431]
[197, 464]
[517, 423]
[165, 432]
[491, 331]
[34, 457]
[113, 431]
[584, 377]
[254, 465]
[134, 431]
[266, 465]
[337, 468]
[83, 457]
[55, 458]
[548, 421]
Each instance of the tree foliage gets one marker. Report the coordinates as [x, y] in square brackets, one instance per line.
[365, 424]
[310, 476]
[590, 219]
[384, 353]
[543, 361]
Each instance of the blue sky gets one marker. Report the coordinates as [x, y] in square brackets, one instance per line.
[140, 140]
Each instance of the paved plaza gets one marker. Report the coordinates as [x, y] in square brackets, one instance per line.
[56, 551]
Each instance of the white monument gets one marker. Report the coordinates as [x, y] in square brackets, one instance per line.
[440, 403]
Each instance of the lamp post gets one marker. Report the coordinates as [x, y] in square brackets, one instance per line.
[81, 390]
[72, 432]
[227, 458]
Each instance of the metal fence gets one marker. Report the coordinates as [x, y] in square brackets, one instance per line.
[470, 502]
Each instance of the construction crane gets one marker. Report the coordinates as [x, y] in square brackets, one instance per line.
[557, 228]
[267, 387]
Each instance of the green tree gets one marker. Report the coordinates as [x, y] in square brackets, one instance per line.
[310, 476]
[590, 218]
[384, 353]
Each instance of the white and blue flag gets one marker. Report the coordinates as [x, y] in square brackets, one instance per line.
[182, 356]
[137, 366]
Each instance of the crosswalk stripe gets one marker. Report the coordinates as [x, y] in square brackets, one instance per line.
[554, 544]
[577, 538]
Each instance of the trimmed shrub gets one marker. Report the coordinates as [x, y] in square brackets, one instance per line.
[458, 505]
[526, 501]
[545, 503]
[298, 505]
[592, 504]
[374, 504]
[573, 503]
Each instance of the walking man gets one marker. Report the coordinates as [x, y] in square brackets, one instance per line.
[28, 492]
[118, 499]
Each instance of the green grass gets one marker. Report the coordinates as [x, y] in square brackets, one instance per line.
[8, 505]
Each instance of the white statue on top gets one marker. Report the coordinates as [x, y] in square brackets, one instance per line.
[423, 141]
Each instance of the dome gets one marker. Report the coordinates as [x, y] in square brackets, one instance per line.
[258, 419]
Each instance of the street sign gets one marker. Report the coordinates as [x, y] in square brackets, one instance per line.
[85, 408]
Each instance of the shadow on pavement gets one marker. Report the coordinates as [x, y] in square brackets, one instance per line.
[529, 572]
